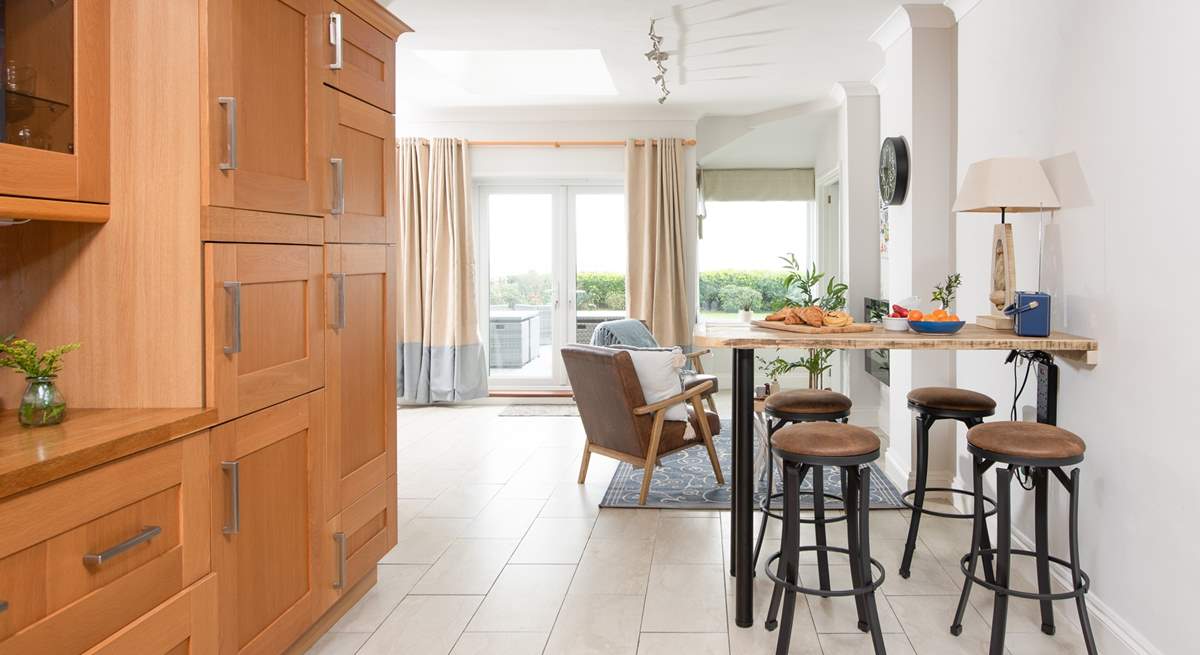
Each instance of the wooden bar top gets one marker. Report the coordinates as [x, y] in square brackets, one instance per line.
[88, 437]
[971, 337]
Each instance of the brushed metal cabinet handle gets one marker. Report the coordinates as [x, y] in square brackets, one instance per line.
[339, 320]
[339, 185]
[98, 559]
[230, 104]
[3, 605]
[335, 39]
[234, 289]
[235, 506]
[340, 539]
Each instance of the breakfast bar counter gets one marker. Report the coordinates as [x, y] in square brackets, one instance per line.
[743, 339]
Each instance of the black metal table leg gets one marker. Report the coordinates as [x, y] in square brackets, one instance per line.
[743, 485]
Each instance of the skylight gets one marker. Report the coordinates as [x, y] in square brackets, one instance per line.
[524, 72]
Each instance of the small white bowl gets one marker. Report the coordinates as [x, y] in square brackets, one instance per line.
[895, 324]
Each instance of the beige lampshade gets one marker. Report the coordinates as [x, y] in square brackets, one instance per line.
[1016, 184]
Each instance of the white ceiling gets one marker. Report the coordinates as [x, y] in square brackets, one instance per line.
[728, 57]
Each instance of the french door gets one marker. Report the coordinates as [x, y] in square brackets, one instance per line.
[552, 265]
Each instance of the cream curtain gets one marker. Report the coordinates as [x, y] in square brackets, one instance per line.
[441, 356]
[657, 285]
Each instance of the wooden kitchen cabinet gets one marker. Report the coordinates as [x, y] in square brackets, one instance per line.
[54, 110]
[360, 341]
[267, 524]
[262, 104]
[83, 557]
[359, 57]
[360, 191]
[186, 624]
[263, 324]
[356, 539]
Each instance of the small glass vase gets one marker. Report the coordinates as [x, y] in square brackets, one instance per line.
[42, 403]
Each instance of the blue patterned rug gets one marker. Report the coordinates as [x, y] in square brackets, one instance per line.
[686, 481]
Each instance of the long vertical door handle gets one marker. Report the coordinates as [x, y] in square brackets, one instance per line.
[230, 103]
[234, 525]
[340, 539]
[234, 289]
[339, 316]
[339, 185]
[335, 39]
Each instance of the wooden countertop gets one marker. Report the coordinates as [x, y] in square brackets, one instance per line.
[971, 337]
[88, 437]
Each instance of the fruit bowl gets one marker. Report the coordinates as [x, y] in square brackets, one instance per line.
[936, 327]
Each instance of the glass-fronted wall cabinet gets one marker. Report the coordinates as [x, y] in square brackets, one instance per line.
[54, 145]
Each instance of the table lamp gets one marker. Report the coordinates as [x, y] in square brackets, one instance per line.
[1005, 185]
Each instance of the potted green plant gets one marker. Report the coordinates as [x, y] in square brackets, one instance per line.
[42, 403]
[816, 364]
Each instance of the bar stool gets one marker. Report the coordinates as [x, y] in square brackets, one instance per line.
[933, 404]
[1033, 451]
[802, 406]
[808, 446]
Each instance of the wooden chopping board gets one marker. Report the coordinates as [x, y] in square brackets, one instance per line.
[808, 329]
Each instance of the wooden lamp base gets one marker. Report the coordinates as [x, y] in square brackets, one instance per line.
[1004, 279]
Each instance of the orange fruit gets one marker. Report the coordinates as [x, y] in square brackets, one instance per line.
[954, 317]
[939, 313]
[915, 315]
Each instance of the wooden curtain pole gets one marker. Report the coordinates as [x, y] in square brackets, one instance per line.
[565, 144]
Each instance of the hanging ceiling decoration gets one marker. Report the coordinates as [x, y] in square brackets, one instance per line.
[657, 56]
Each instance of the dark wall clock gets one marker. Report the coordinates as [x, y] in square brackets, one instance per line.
[893, 170]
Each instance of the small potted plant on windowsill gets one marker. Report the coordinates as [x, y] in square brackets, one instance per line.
[42, 403]
[745, 315]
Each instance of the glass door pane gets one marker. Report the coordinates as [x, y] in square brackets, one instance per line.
[37, 50]
[520, 249]
[600, 250]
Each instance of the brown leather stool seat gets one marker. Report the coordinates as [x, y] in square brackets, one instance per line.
[807, 401]
[1024, 440]
[824, 439]
[949, 398]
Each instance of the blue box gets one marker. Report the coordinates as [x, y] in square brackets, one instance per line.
[1031, 312]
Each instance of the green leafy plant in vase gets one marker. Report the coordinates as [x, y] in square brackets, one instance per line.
[42, 403]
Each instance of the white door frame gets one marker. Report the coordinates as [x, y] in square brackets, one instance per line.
[563, 265]
[819, 237]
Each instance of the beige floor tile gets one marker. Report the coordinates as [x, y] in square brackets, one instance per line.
[424, 540]
[928, 577]
[597, 624]
[554, 541]
[339, 643]
[1066, 642]
[463, 501]
[688, 541]
[840, 614]
[571, 500]
[861, 644]
[500, 643]
[408, 509]
[614, 566]
[685, 598]
[422, 625]
[626, 524]
[394, 583]
[529, 490]
[926, 621]
[421, 483]
[756, 639]
[504, 518]
[500, 465]
[667, 643]
[525, 598]
[468, 567]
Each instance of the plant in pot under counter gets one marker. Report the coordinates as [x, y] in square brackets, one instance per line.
[42, 403]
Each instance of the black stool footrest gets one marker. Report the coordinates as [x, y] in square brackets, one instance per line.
[857, 591]
[765, 507]
[1085, 581]
[947, 515]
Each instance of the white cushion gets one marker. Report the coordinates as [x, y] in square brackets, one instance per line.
[658, 373]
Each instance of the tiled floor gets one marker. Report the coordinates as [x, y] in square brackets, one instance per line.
[501, 552]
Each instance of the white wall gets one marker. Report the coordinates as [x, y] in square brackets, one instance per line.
[1106, 88]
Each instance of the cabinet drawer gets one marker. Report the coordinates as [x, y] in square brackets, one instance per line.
[87, 555]
[360, 59]
[368, 529]
[360, 190]
[186, 624]
[263, 319]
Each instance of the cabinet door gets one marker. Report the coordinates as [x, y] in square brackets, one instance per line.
[185, 624]
[357, 538]
[54, 103]
[267, 524]
[360, 59]
[361, 381]
[361, 188]
[263, 316]
[262, 104]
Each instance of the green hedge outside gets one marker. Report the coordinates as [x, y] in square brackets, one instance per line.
[607, 290]
[769, 284]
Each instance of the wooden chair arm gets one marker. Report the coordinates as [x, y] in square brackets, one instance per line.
[698, 353]
[695, 391]
[694, 358]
